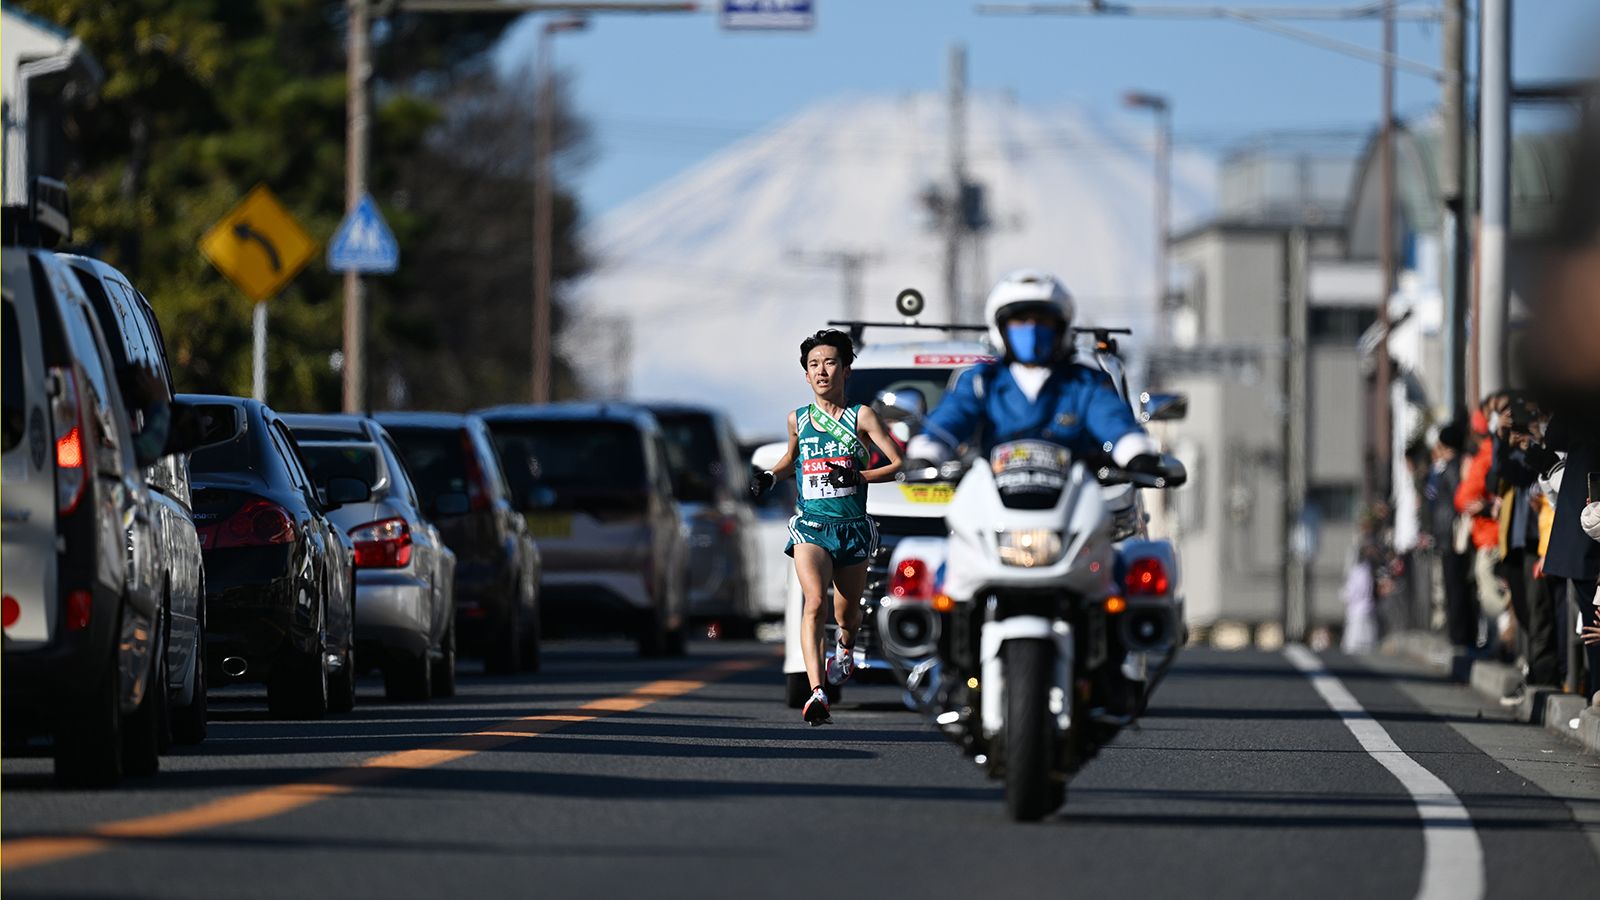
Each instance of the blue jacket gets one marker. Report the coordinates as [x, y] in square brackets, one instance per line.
[1078, 407]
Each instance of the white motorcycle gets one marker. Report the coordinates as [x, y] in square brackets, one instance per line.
[1027, 678]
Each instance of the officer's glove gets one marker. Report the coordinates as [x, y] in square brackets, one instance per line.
[841, 477]
[760, 483]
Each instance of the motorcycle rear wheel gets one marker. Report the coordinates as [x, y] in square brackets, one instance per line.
[1031, 792]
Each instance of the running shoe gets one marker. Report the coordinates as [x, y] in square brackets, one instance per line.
[841, 665]
[816, 711]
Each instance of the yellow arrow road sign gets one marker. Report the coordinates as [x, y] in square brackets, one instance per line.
[258, 245]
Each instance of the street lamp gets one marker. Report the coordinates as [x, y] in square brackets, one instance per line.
[1163, 158]
[543, 203]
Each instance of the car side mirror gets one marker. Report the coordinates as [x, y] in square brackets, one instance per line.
[341, 491]
[1164, 407]
[453, 503]
[196, 425]
[767, 455]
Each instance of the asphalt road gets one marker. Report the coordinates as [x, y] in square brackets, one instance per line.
[608, 776]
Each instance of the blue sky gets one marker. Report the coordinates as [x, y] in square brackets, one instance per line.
[664, 92]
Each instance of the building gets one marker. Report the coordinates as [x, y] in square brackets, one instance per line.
[1228, 327]
[45, 68]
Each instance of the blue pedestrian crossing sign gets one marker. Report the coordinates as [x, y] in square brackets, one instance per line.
[364, 242]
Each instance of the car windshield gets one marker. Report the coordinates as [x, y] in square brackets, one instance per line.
[930, 382]
[582, 455]
[328, 461]
[692, 454]
[436, 458]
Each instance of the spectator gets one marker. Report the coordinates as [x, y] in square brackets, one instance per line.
[1474, 501]
[1452, 550]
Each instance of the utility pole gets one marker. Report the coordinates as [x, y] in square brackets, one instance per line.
[1163, 181]
[1297, 537]
[1383, 416]
[955, 219]
[852, 267]
[1494, 124]
[358, 69]
[1456, 240]
[544, 205]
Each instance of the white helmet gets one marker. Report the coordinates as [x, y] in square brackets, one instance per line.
[1027, 289]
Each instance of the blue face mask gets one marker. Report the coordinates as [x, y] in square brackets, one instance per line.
[1031, 343]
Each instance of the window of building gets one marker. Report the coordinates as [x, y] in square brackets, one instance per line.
[1334, 502]
[1339, 326]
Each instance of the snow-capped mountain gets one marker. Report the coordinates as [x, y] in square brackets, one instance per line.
[703, 267]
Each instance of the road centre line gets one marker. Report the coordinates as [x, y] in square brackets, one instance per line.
[1452, 864]
[266, 803]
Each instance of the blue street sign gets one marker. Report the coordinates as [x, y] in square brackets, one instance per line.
[364, 242]
[777, 14]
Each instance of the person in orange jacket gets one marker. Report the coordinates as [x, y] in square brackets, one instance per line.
[1474, 499]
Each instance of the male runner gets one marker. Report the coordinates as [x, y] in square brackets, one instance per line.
[831, 537]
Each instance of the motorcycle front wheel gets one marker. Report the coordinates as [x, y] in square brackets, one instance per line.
[1031, 792]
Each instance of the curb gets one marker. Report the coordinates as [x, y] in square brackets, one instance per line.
[1556, 711]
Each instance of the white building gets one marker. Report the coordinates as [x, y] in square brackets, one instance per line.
[44, 69]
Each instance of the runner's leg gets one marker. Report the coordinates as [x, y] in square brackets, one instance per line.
[848, 585]
[814, 568]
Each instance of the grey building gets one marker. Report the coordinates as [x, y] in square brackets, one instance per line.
[1227, 327]
[44, 69]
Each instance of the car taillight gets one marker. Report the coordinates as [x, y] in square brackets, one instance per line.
[68, 422]
[477, 482]
[79, 605]
[382, 545]
[258, 523]
[911, 580]
[12, 612]
[1147, 576]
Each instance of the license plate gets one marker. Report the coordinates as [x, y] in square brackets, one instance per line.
[928, 493]
[552, 526]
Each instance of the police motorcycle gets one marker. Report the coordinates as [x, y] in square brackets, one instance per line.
[1025, 678]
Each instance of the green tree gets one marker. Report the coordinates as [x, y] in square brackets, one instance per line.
[204, 99]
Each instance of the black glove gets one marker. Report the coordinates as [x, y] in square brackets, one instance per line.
[842, 477]
[760, 483]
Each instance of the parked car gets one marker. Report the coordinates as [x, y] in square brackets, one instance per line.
[497, 593]
[772, 513]
[596, 487]
[405, 613]
[710, 481]
[139, 358]
[83, 616]
[278, 597]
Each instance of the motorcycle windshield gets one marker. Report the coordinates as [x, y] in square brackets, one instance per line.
[1030, 474]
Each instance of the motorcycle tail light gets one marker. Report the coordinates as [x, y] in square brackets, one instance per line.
[1147, 576]
[911, 579]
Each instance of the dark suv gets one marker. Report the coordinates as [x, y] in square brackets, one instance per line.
[139, 356]
[497, 562]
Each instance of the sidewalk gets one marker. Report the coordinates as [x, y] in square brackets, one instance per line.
[1567, 715]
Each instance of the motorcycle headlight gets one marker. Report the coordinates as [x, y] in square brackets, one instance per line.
[1030, 547]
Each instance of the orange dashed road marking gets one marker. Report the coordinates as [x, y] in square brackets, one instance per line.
[266, 803]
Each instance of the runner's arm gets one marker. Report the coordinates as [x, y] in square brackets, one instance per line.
[784, 468]
[872, 429]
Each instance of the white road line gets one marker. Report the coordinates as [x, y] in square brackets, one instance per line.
[1452, 857]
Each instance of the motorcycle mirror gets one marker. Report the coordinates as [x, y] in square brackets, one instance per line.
[1163, 407]
[905, 405]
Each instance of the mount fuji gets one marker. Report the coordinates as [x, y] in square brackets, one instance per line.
[700, 272]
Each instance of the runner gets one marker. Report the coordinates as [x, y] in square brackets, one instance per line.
[830, 537]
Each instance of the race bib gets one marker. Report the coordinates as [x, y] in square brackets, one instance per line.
[814, 478]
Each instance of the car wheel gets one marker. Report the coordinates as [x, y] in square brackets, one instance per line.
[532, 652]
[299, 685]
[795, 690]
[677, 641]
[652, 637]
[408, 679]
[342, 683]
[189, 721]
[88, 752]
[505, 648]
[145, 734]
[444, 668]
